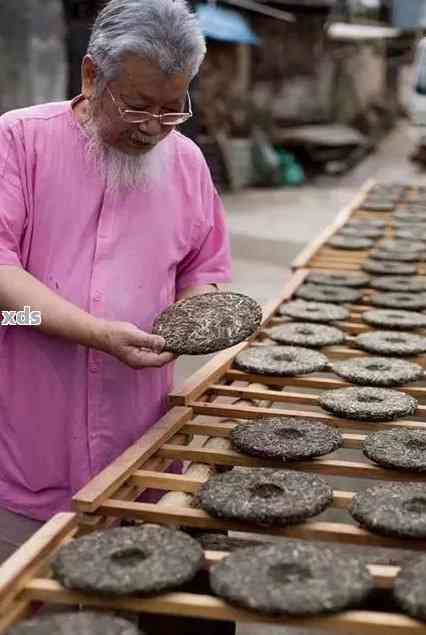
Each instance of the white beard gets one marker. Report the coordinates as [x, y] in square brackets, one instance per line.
[126, 170]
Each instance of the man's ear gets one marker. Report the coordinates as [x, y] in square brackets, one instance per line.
[88, 76]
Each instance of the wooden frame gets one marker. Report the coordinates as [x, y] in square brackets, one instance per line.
[25, 579]
[317, 254]
[196, 431]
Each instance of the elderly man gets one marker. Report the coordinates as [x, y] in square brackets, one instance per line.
[107, 216]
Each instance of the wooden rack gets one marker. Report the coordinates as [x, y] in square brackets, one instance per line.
[196, 431]
[319, 255]
[203, 413]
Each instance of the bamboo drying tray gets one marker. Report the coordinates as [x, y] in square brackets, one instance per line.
[318, 255]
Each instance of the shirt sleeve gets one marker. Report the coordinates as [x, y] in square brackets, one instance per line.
[12, 204]
[209, 259]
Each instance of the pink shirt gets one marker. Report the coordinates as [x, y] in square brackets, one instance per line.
[67, 411]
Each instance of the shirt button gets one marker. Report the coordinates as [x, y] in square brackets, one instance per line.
[93, 368]
[97, 296]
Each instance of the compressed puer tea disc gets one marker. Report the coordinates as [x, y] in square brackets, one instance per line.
[208, 323]
[398, 449]
[395, 300]
[392, 509]
[372, 223]
[409, 587]
[378, 371]
[324, 293]
[368, 404]
[391, 343]
[307, 334]
[390, 267]
[349, 242]
[402, 245]
[314, 311]
[338, 279]
[263, 496]
[291, 579]
[75, 623]
[412, 284]
[394, 319]
[280, 360]
[394, 255]
[285, 438]
[361, 231]
[125, 560]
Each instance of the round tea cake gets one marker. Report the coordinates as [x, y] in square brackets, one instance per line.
[285, 438]
[398, 449]
[265, 496]
[402, 245]
[391, 343]
[280, 360]
[395, 300]
[377, 371]
[412, 227]
[349, 242]
[394, 255]
[410, 216]
[412, 284]
[368, 404]
[207, 323]
[123, 560]
[389, 266]
[378, 206]
[307, 334]
[324, 293]
[338, 279]
[394, 319]
[392, 509]
[416, 206]
[411, 233]
[376, 223]
[314, 311]
[75, 623]
[361, 231]
[409, 587]
[291, 579]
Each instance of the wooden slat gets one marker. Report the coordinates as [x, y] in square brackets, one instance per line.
[112, 477]
[16, 612]
[197, 605]
[309, 381]
[331, 467]
[249, 412]
[30, 557]
[341, 533]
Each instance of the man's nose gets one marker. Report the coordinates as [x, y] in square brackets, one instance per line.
[151, 127]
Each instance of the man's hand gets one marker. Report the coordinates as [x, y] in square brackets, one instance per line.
[132, 346]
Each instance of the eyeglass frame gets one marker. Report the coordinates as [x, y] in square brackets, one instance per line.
[149, 116]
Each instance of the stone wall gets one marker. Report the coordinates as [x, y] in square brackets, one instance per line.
[32, 53]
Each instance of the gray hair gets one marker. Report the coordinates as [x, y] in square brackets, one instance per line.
[165, 32]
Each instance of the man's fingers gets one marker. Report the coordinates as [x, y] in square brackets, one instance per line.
[141, 358]
[141, 339]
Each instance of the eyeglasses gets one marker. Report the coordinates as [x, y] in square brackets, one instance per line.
[140, 116]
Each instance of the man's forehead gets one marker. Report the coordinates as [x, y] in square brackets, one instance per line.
[145, 79]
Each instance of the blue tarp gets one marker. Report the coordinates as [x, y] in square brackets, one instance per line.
[225, 25]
